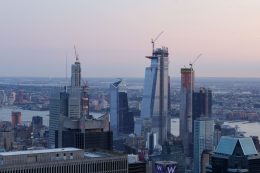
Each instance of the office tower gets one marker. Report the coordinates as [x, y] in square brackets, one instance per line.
[121, 119]
[63, 160]
[187, 85]
[57, 114]
[223, 130]
[16, 118]
[76, 73]
[169, 106]
[21, 97]
[37, 121]
[202, 103]
[235, 154]
[256, 142]
[6, 139]
[151, 142]
[203, 140]
[11, 98]
[205, 158]
[172, 151]
[135, 165]
[155, 95]
[70, 122]
[2, 97]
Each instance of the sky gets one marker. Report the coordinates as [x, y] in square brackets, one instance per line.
[114, 36]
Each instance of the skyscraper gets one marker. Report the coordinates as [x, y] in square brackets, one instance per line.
[187, 86]
[70, 122]
[202, 103]
[203, 140]
[122, 120]
[235, 154]
[155, 96]
[76, 73]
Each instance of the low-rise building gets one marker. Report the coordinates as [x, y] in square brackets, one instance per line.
[62, 160]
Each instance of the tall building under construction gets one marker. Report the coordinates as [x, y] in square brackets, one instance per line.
[187, 87]
[154, 108]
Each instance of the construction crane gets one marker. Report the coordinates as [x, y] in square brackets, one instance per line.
[156, 38]
[196, 59]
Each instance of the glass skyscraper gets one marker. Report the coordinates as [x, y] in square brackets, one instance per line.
[155, 96]
[203, 140]
[121, 119]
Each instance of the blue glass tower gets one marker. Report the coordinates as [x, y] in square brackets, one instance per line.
[155, 96]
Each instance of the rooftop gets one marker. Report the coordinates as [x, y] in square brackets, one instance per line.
[101, 153]
[27, 152]
[227, 145]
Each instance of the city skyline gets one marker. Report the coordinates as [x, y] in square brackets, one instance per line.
[113, 37]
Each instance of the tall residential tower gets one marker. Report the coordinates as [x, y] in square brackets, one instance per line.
[187, 86]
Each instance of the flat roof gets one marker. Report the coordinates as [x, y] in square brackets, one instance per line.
[98, 154]
[28, 152]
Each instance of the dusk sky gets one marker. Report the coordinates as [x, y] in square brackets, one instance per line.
[114, 36]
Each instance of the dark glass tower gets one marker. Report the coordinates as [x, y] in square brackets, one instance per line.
[122, 120]
[235, 155]
[202, 103]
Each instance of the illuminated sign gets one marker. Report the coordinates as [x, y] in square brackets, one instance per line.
[165, 169]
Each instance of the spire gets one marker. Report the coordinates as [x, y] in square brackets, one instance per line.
[76, 71]
[76, 54]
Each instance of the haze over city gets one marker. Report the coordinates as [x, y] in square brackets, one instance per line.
[113, 37]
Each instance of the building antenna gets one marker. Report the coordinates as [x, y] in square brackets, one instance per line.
[66, 69]
[156, 38]
[76, 53]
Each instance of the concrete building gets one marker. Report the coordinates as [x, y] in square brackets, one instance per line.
[62, 160]
[235, 154]
[16, 118]
[37, 121]
[187, 87]
[203, 140]
[134, 165]
[6, 139]
[121, 119]
[205, 158]
[3, 98]
[155, 97]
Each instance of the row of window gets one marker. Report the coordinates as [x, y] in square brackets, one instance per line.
[119, 166]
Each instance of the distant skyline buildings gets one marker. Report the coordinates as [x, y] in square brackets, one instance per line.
[39, 41]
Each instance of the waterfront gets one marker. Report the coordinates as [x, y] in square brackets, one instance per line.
[5, 114]
[250, 129]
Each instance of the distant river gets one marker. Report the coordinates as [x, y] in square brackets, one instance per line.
[250, 129]
[5, 114]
